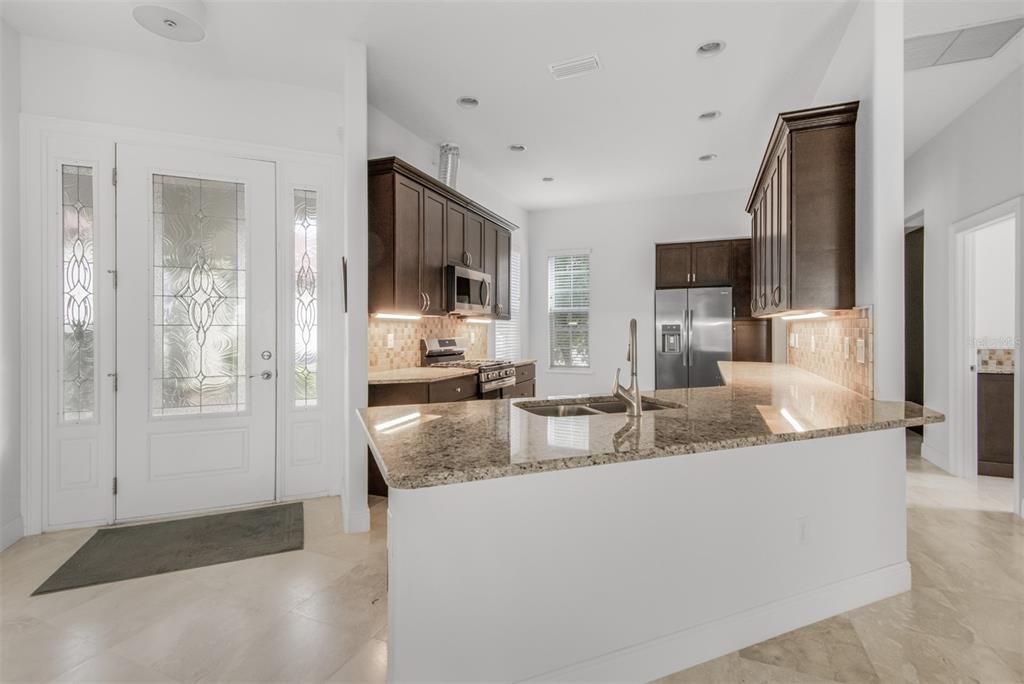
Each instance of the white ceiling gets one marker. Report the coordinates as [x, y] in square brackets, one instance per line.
[935, 96]
[626, 132]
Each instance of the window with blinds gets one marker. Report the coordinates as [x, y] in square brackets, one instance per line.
[507, 335]
[569, 310]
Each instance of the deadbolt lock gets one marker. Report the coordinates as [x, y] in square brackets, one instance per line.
[266, 355]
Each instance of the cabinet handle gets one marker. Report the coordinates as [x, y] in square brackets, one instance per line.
[753, 304]
[423, 301]
[777, 295]
[458, 390]
[764, 299]
[427, 295]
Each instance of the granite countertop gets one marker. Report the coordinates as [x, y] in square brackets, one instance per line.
[401, 376]
[425, 445]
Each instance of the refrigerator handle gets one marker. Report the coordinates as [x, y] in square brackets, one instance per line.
[689, 346]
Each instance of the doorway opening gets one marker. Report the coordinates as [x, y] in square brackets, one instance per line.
[913, 292]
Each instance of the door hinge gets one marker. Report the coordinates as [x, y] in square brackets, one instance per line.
[113, 377]
[113, 276]
[113, 176]
[115, 486]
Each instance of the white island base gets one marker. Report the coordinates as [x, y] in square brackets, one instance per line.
[631, 571]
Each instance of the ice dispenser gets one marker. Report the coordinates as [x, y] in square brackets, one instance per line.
[671, 338]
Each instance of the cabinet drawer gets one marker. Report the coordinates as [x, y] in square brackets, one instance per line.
[455, 389]
[524, 373]
[519, 390]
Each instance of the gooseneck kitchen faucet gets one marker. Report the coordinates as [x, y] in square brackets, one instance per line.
[630, 395]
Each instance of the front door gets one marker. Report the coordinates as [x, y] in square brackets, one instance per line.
[196, 357]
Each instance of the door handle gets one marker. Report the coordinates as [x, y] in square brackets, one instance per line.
[267, 375]
[344, 281]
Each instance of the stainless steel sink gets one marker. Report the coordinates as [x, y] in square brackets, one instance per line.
[560, 410]
[599, 406]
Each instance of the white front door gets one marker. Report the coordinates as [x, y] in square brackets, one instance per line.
[196, 327]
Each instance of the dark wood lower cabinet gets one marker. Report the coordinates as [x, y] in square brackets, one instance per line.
[752, 340]
[995, 424]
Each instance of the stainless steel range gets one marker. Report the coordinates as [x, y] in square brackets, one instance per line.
[450, 352]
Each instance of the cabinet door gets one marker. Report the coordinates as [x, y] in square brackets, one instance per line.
[456, 234]
[751, 340]
[762, 266]
[433, 254]
[755, 258]
[474, 240]
[771, 256]
[712, 264]
[783, 237]
[741, 278]
[503, 279]
[672, 267]
[408, 224]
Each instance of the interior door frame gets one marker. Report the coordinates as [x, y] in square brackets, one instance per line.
[963, 402]
[296, 477]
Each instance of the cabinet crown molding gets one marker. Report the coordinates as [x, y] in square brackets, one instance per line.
[801, 119]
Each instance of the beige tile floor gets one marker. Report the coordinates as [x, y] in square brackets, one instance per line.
[320, 614]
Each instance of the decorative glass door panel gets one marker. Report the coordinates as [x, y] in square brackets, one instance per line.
[79, 333]
[196, 331]
[199, 340]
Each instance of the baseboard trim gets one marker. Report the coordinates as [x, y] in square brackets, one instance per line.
[678, 651]
[11, 532]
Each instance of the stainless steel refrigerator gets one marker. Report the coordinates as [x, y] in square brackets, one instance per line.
[693, 332]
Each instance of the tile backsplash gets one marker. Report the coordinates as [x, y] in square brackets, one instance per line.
[407, 335]
[838, 348]
[995, 360]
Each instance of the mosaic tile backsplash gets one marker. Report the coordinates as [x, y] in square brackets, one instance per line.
[829, 347]
[406, 351]
[995, 360]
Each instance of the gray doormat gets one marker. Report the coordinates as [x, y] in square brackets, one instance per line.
[119, 553]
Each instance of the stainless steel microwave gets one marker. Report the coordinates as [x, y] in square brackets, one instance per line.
[469, 291]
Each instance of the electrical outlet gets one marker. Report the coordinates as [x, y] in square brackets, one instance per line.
[846, 347]
[391, 340]
[794, 341]
[812, 342]
[860, 350]
[472, 337]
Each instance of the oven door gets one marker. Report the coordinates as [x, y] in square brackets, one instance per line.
[469, 292]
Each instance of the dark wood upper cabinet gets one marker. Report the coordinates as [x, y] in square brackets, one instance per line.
[417, 226]
[741, 279]
[712, 263]
[434, 252]
[502, 273]
[802, 211]
[752, 340]
[673, 263]
[474, 241]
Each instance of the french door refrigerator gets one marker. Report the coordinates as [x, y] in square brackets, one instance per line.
[693, 332]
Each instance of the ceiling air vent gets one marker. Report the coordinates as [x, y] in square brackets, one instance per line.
[962, 45]
[574, 67]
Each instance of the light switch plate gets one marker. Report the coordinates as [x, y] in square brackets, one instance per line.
[812, 342]
[391, 340]
[793, 341]
[846, 347]
[860, 350]
[472, 337]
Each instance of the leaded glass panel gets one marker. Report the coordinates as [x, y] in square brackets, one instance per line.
[199, 331]
[305, 297]
[78, 366]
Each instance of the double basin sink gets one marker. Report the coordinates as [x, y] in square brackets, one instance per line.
[595, 406]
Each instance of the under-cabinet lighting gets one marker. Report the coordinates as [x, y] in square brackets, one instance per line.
[398, 317]
[792, 421]
[485, 321]
[394, 422]
[805, 316]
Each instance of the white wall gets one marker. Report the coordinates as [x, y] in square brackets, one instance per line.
[621, 237]
[388, 138]
[868, 66]
[995, 259]
[10, 302]
[975, 163]
[115, 88]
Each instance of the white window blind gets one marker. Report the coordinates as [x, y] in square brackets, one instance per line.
[569, 310]
[507, 335]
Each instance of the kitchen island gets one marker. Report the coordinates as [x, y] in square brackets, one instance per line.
[604, 547]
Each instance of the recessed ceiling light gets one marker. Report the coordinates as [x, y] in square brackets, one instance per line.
[711, 48]
[710, 116]
[183, 23]
[517, 148]
[708, 157]
[548, 179]
[467, 102]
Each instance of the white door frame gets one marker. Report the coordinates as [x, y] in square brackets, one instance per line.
[962, 417]
[297, 476]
